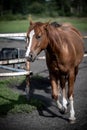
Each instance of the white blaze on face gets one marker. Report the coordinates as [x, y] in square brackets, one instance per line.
[30, 43]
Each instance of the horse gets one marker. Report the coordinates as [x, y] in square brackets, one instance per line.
[64, 50]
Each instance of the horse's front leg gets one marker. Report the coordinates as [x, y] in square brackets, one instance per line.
[70, 95]
[27, 89]
[62, 84]
[55, 90]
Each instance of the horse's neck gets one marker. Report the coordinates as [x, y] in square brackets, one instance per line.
[53, 51]
[55, 40]
[54, 47]
[49, 49]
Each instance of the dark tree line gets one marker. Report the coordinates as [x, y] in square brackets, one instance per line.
[46, 7]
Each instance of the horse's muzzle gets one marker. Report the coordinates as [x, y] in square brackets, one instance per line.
[31, 57]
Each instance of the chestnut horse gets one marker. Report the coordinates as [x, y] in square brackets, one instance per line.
[63, 45]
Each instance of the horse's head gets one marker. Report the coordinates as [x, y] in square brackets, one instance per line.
[36, 40]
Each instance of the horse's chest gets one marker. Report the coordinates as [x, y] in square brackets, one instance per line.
[54, 64]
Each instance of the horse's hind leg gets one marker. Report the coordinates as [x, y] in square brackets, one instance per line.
[27, 89]
[70, 95]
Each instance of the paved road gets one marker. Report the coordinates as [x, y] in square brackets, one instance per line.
[49, 118]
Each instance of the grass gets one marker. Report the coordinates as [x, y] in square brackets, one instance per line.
[22, 25]
[13, 26]
[12, 101]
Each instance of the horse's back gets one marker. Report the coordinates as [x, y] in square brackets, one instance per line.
[71, 27]
[75, 39]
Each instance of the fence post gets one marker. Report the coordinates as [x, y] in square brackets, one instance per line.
[27, 89]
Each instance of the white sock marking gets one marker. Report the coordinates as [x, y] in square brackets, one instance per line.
[72, 112]
[64, 102]
[59, 104]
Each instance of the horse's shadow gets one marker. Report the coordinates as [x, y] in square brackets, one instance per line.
[43, 83]
[7, 107]
[36, 83]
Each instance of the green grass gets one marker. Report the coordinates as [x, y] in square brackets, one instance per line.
[13, 26]
[22, 25]
[13, 102]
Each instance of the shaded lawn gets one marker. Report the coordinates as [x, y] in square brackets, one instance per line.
[12, 101]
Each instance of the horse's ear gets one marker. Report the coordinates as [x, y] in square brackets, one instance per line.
[30, 20]
[46, 24]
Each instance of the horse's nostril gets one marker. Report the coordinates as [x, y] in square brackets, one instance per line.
[30, 55]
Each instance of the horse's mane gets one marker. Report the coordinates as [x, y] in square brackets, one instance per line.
[38, 23]
[66, 26]
[55, 24]
[53, 35]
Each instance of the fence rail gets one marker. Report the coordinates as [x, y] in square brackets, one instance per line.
[15, 74]
[15, 71]
[19, 60]
[16, 36]
[12, 61]
[84, 36]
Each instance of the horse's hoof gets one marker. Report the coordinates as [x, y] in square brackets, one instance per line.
[72, 121]
[63, 110]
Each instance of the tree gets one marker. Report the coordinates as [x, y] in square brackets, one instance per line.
[63, 7]
[47, 7]
[36, 8]
[79, 7]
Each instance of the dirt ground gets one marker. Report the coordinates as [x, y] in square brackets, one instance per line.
[49, 117]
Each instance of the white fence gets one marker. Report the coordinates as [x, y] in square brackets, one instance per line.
[16, 36]
[15, 71]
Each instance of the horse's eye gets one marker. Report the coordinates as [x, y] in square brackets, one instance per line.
[38, 37]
